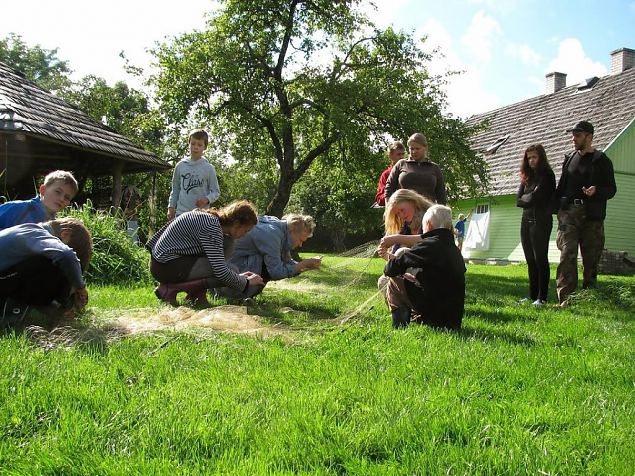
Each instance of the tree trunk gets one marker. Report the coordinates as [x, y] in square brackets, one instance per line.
[338, 240]
[280, 199]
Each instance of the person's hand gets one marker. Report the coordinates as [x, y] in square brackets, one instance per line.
[410, 277]
[202, 202]
[69, 313]
[388, 241]
[311, 263]
[171, 213]
[589, 191]
[383, 252]
[253, 279]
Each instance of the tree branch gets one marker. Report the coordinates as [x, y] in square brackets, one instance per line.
[277, 72]
[304, 164]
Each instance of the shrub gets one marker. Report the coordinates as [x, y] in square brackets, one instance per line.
[116, 259]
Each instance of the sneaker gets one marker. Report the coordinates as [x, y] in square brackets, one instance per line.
[13, 312]
[523, 301]
[539, 302]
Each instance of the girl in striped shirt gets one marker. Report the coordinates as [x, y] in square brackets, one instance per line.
[187, 253]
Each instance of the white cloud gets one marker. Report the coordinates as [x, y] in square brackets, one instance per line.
[524, 53]
[467, 93]
[538, 82]
[481, 36]
[573, 61]
[388, 12]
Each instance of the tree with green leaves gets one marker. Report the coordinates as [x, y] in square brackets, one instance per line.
[119, 107]
[283, 83]
[38, 64]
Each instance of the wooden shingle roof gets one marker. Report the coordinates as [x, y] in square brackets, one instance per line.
[55, 129]
[609, 105]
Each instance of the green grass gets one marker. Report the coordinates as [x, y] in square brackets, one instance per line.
[518, 391]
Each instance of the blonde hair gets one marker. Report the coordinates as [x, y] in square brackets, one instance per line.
[297, 222]
[439, 216]
[418, 138]
[80, 239]
[62, 176]
[392, 223]
[242, 212]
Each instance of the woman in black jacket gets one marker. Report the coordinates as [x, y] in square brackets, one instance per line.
[537, 185]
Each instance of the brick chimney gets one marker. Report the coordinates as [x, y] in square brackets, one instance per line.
[555, 82]
[621, 60]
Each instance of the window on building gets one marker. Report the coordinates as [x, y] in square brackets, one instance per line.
[497, 144]
[482, 208]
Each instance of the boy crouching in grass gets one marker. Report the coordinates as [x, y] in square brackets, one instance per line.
[41, 264]
[429, 278]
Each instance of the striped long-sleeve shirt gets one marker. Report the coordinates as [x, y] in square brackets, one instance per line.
[196, 233]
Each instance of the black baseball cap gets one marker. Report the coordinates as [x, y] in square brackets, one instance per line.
[582, 126]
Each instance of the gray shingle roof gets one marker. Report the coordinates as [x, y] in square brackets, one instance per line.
[609, 106]
[27, 108]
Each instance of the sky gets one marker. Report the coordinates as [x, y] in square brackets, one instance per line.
[503, 48]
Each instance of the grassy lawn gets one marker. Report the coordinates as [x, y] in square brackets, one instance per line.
[518, 391]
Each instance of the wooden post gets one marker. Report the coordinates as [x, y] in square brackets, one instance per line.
[117, 171]
[152, 206]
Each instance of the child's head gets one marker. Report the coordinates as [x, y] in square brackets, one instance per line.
[58, 190]
[237, 218]
[437, 216]
[396, 152]
[75, 235]
[403, 206]
[198, 140]
[461, 217]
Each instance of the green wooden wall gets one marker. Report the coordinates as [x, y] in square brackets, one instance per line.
[622, 151]
[619, 226]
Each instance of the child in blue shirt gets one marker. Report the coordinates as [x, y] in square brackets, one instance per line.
[56, 193]
[194, 182]
[459, 231]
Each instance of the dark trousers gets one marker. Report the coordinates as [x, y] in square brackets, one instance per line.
[534, 237]
[35, 281]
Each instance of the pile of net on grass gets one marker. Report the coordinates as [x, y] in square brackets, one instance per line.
[118, 323]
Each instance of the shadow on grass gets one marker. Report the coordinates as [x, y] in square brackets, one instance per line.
[489, 335]
[62, 333]
[504, 314]
[487, 286]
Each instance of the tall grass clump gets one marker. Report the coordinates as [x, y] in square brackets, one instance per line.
[116, 259]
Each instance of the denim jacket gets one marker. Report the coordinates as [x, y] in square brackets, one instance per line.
[268, 243]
